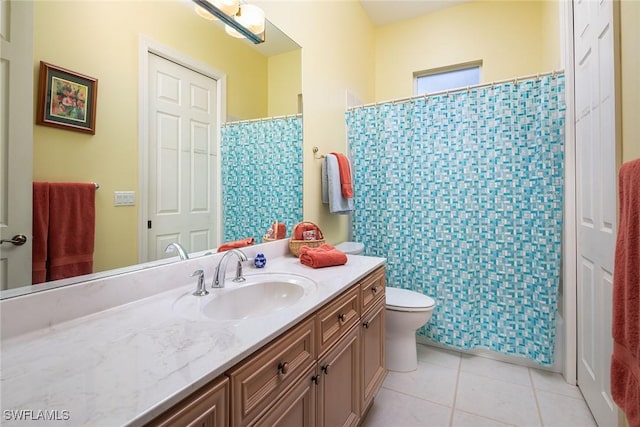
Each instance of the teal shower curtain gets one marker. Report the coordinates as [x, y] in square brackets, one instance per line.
[463, 194]
[261, 165]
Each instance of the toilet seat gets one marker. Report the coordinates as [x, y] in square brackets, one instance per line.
[406, 300]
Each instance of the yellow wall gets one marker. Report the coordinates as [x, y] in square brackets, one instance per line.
[337, 42]
[550, 36]
[284, 84]
[506, 35]
[630, 67]
[100, 39]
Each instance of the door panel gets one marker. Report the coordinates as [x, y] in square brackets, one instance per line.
[596, 200]
[16, 140]
[182, 158]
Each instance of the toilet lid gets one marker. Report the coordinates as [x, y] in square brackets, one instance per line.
[406, 300]
[352, 248]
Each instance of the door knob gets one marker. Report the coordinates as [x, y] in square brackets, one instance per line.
[18, 240]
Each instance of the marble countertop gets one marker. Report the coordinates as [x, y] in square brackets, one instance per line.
[127, 364]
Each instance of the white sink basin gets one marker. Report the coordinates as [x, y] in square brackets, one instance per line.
[261, 295]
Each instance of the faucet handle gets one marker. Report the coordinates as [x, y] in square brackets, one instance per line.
[239, 277]
[200, 290]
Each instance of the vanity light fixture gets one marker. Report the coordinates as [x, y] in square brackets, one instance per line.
[242, 20]
[249, 16]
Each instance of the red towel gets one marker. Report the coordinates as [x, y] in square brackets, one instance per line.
[322, 256]
[40, 232]
[345, 175]
[236, 244]
[625, 361]
[72, 216]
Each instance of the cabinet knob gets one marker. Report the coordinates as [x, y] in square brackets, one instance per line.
[283, 368]
[365, 325]
[341, 317]
[315, 379]
[374, 289]
[325, 369]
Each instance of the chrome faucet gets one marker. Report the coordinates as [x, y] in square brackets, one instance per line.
[200, 291]
[175, 246]
[221, 269]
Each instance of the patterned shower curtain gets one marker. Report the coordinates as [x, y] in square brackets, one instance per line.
[463, 194]
[261, 164]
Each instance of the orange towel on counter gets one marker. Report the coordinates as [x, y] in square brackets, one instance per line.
[322, 256]
[40, 232]
[72, 217]
[236, 244]
[345, 175]
[625, 361]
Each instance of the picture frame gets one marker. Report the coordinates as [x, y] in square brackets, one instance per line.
[66, 99]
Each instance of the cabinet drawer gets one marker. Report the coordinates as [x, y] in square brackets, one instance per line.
[372, 288]
[335, 319]
[208, 406]
[260, 380]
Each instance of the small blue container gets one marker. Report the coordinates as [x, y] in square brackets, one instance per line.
[259, 261]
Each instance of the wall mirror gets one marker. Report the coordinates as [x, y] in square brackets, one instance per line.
[102, 39]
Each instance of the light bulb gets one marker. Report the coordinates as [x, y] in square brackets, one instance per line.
[252, 18]
[203, 13]
[233, 32]
[229, 7]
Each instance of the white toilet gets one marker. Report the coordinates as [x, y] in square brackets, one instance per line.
[406, 311]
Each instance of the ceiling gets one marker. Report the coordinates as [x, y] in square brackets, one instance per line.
[383, 12]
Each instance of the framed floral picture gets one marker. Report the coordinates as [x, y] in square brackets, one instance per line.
[66, 99]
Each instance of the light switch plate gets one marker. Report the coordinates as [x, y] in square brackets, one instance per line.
[124, 198]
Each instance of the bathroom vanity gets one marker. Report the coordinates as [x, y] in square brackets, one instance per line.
[323, 371]
[146, 360]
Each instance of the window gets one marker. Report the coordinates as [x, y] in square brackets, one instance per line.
[450, 78]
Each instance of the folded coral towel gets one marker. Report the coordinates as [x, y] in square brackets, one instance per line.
[322, 256]
[345, 175]
[236, 244]
[625, 361]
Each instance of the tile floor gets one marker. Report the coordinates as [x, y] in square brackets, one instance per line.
[451, 389]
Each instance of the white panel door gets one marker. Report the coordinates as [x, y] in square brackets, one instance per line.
[596, 200]
[182, 158]
[16, 140]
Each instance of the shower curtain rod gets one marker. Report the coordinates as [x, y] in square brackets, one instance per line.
[467, 88]
[264, 119]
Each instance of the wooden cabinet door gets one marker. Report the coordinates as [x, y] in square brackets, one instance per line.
[208, 407]
[339, 383]
[297, 408]
[261, 379]
[372, 354]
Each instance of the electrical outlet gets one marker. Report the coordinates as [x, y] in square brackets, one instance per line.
[124, 198]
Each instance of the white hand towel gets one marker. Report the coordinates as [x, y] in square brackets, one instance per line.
[337, 203]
